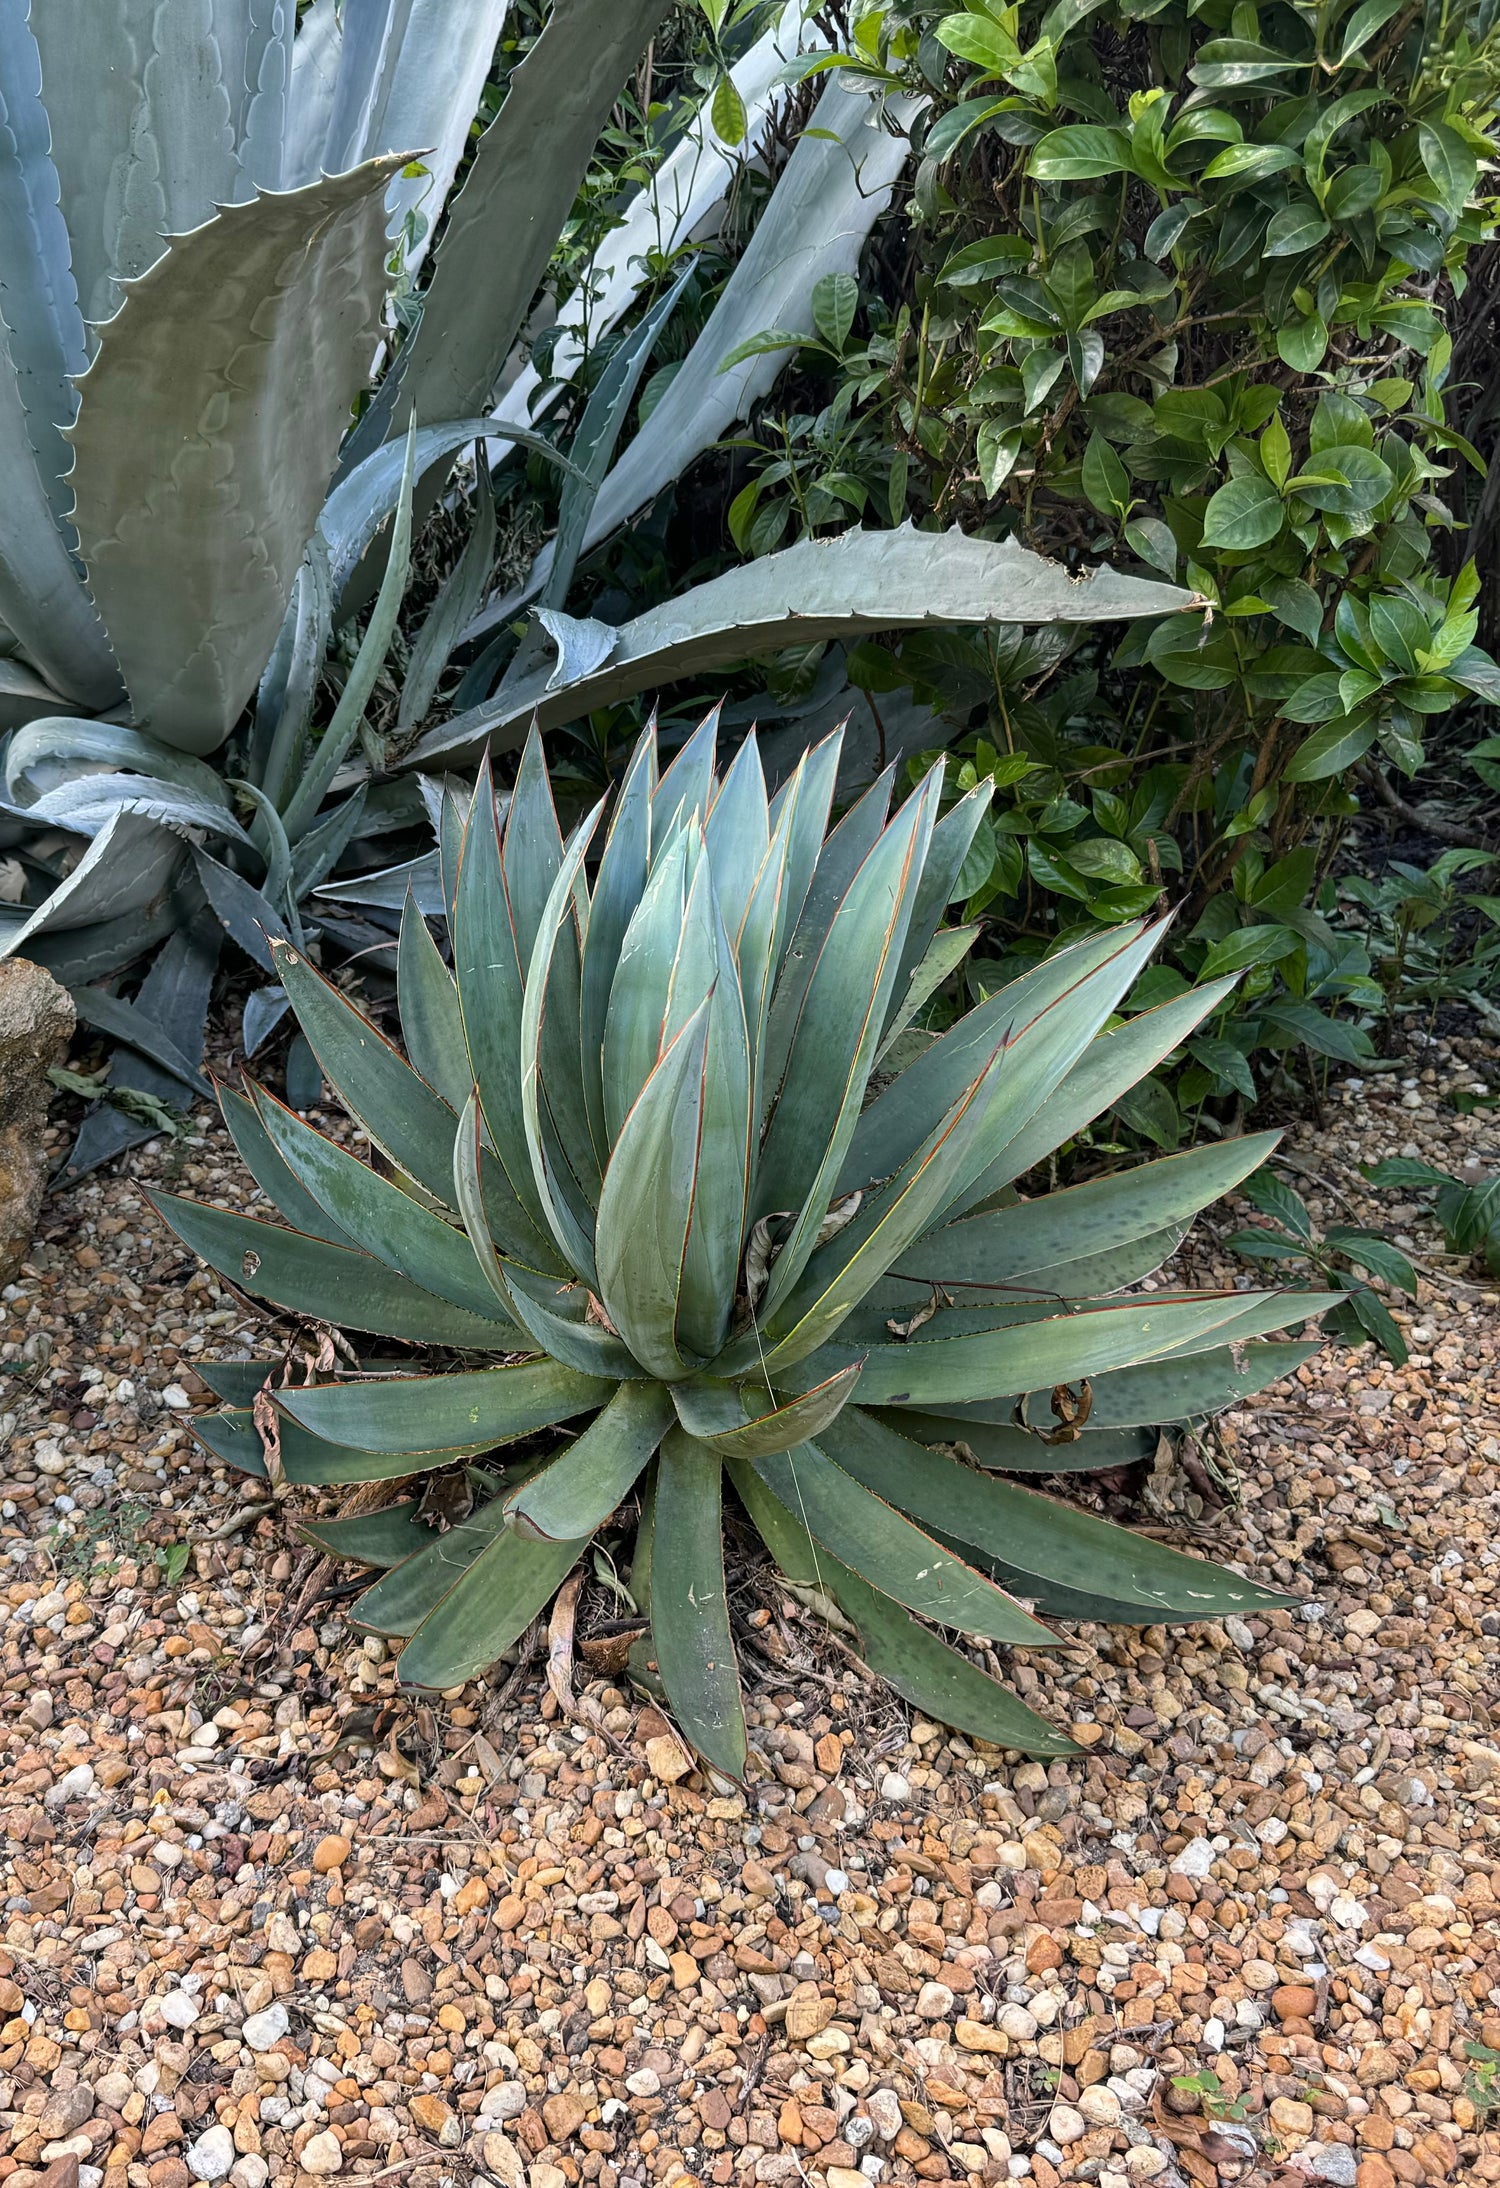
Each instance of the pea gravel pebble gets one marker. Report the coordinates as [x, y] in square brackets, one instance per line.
[266, 1922]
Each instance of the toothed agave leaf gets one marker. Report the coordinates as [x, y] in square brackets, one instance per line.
[645, 1150]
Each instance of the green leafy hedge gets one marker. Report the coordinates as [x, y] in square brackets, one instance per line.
[1174, 292]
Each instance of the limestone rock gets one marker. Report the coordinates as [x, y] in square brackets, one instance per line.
[36, 1021]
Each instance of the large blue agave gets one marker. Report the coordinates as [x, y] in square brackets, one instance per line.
[665, 1138]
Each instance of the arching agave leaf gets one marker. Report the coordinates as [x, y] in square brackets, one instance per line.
[258, 326]
[833, 588]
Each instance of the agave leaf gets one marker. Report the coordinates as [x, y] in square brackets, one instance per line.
[690, 1634]
[557, 1135]
[718, 1414]
[918, 1665]
[310, 1276]
[307, 1462]
[369, 485]
[686, 788]
[469, 1412]
[1035, 1535]
[176, 993]
[385, 1221]
[1021, 1451]
[711, 1264]
[598, 430]
[432, 1024]
[54, 751]
[386, 1537]
[738, 834]
[139, 90]
[399, 1111]
[944, 955]
[488, 974]
[828, 875]
[122, 1021]
[402, 1598]
[677, 205]
[551, 1314]
[951, 840]
[319, 850]
[887, 1220]
[1166, 1390]
[1047, 1025]
[836, 184]
[1036, 1354]
[191, 548]
[837, 1033]
[666, 967]
[820, 589]
[459, 596]
[1111, 1063]
[1091, 1276]
[777, 898]
[434, 78]
[571, 1498]
[246, 916]
[487, 1608]
[126, 874]
[618, 887]
[644, 1209]
[525, 173]
[890, 1552]
[1032, 1240]
[284, 701]
[43, 323]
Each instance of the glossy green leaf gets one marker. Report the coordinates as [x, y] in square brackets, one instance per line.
[432, 1024]
[330, 1283]
[724, 1416]
[646, 1204]
[386, 1537]
[918, 1665]
[470, 1412]
[487, 1608]
[571, 1497]
[382, 1219]
[890, 1552]
[690, 1634]
[1246, 513]
[1036, 1535]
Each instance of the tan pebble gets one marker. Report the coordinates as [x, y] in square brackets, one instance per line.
[1290, 2117]
[843, 2176]
[979, 2036]
[1374, 2173]
[320, 1965]
[509, 1912]
[564, 2115]
[807, 2013]
[685, 1971]
[597, 1995]
[1294, 2002]
[548, 2176]
[474, 1892]
[452, 2019]
[430, 2111]
[667, 1759]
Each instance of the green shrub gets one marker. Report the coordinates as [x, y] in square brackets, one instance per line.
[1175, 289]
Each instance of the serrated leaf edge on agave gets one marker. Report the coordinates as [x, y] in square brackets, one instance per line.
[669, 1193]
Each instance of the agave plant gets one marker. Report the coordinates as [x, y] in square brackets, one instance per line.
[668, 1140]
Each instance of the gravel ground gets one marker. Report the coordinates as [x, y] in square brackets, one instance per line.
[266, 1922]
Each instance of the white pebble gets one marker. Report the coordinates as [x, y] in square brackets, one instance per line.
[178, 2010]
[263, 2031]
[212, 2155]
[893, 1787]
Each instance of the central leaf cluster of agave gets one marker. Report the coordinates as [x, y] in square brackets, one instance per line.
[667, 1131]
